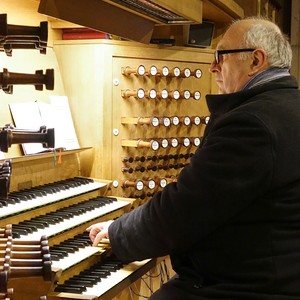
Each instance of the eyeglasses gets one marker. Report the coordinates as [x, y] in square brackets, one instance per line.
[221, 52]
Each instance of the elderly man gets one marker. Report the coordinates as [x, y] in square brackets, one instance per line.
[231, 223]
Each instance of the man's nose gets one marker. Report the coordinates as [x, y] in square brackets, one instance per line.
[214, 67]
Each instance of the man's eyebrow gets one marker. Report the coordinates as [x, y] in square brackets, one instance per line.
[220, 48]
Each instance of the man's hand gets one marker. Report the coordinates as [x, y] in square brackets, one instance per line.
[98, 231]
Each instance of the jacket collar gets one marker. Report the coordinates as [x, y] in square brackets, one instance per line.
[219, 104]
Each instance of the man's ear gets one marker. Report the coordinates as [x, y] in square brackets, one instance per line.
[259, 61]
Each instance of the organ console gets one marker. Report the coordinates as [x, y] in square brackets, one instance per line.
[56, 200]
[48, 223]
[150, 124]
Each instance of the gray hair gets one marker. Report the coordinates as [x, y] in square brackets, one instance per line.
[267, 36]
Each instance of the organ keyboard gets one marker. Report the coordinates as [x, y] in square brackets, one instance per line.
[39, 196]
[103, 280]
[56, 222]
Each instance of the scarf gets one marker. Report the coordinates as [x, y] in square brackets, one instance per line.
[266, 76]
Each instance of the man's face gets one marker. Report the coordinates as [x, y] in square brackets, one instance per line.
[231, 72]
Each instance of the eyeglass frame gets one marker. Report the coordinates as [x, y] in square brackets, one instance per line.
[217, 53]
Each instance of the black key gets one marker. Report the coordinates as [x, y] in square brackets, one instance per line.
[70, 289]
[79, 282]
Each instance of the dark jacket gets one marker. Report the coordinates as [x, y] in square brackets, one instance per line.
[232, 221]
